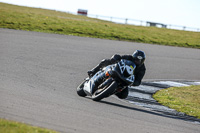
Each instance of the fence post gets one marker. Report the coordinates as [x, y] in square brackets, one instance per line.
[170, 26]
[126, 21]
[141, 23]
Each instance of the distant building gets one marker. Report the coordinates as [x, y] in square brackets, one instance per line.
[82, 12]
[156, 24]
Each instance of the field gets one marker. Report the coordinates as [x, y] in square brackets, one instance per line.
[50, 21]
[7, 126]
[183, 99]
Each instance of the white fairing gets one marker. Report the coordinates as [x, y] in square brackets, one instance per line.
[128, 69]
[131, 78]
[122, 66]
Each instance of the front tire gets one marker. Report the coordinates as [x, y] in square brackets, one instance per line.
[80, 90]
[98, 95]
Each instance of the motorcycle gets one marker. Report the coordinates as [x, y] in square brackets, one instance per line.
[110, 80]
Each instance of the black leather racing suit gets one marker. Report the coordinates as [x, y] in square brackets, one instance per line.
[139, 71]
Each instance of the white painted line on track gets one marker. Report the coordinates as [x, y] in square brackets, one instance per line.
[172, 83]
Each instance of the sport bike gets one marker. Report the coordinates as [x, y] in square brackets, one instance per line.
[109, 80]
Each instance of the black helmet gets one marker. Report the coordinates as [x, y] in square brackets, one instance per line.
[139, 57]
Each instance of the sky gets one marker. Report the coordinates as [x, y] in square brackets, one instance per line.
[170, 12]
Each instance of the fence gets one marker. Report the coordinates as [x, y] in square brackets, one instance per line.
[142, 23]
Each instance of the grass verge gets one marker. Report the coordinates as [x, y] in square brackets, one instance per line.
[7, 126]
[182, 99]
[41, 20]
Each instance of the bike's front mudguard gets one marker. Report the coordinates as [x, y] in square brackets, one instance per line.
[88, 87]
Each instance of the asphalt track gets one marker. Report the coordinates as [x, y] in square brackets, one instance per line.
[39, 74]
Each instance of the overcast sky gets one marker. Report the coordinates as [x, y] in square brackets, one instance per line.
[175, 12]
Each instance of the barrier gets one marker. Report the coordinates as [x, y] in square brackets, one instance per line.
[136, 22]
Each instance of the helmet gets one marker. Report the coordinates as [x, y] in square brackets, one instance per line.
[139, 57]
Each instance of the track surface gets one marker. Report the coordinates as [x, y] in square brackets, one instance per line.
[39, 74]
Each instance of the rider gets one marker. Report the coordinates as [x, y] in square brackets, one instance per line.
[138, 58]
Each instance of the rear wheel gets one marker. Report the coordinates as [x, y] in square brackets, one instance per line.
[104, 92]
[80, 90]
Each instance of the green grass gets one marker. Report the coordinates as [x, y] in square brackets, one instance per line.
[182, 99]
[41, 20]
[7, 126]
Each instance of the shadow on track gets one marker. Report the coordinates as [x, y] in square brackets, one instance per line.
[163, 114]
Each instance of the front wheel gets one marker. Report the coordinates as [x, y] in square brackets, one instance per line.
[104, 92]
[80, 90]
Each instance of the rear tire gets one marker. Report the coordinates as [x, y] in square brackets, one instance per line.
[80, 90]
[97, 96]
